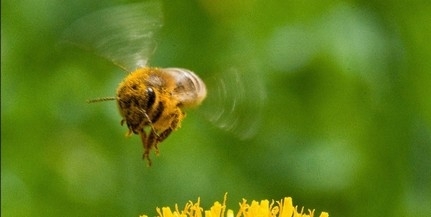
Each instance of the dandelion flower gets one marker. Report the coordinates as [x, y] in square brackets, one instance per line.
[282, 208]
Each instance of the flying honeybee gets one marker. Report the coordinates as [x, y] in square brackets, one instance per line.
[155, 98]
[151, 100]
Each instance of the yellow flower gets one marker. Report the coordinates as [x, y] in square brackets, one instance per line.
[282, 208]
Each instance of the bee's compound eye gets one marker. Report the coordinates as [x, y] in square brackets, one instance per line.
[151, 96]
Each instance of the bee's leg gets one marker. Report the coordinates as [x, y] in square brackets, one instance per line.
[165, 134]
[149, 121]
[147, 147]
[130, 131]
[162, 136]
[152, 140]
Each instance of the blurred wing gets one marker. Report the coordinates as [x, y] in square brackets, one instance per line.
[123, 34]
[190, 89]
[235, 101]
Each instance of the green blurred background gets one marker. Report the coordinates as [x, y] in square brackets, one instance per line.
[345, 126]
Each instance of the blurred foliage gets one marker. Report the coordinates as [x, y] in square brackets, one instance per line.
[345, 126]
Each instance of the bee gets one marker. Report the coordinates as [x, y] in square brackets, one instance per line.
[155, 98]
[152, 100]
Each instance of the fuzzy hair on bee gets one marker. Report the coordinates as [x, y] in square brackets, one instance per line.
[151, 102]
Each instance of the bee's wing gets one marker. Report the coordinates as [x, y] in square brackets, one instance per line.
[123, 34]
[235, 101]
[190, 89]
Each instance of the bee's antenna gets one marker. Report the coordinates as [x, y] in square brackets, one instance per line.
[101, 99]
